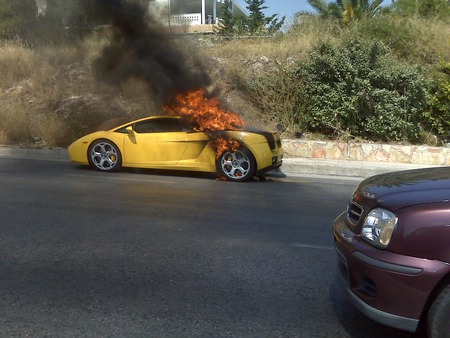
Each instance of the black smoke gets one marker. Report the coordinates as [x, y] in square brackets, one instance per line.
[141, 48]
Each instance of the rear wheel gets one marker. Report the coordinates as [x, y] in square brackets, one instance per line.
[439, 316]
[104, 155]
[237, 166]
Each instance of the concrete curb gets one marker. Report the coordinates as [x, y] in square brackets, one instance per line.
[353, 169]
[292, 167]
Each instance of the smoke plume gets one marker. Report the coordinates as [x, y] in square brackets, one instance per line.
[141, 49]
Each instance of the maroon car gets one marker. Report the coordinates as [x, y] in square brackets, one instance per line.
[393, 245]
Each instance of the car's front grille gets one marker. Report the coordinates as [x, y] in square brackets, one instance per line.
[354, 213]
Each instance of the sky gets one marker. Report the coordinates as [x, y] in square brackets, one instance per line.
[289, 7]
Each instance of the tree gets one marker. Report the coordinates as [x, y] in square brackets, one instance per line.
[347, 10]
[227, 23]
[325, 9]
[257, 23]
[256, 20]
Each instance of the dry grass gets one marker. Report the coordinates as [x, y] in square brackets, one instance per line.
[16, 63]
[48, 95]
[296, 44]
[414, 40]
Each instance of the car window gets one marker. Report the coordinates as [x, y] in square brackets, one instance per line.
[161, 126]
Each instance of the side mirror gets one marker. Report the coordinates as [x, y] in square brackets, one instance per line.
[130, 130]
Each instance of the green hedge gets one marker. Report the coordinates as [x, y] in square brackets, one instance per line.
[359, 90]
[438, 115]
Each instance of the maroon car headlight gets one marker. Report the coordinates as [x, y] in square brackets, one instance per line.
[378, 227]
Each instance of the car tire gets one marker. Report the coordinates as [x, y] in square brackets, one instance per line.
[237, 166]
[104, 155]
[439, 316]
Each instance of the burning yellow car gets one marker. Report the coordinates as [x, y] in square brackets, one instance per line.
[172, 142]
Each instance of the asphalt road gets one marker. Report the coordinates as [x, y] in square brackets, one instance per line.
[146, 254]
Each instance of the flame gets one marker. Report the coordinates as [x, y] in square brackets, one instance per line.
[206, 115]
[221, 145]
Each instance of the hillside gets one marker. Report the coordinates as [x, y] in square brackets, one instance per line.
[50, 95]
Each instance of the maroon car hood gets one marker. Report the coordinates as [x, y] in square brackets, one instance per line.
[405, 188]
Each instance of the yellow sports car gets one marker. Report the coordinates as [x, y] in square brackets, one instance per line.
[169, 142]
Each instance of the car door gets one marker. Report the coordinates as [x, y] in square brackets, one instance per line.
[158, 142]
[198, 154]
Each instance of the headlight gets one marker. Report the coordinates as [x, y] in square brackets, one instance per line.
[378, 227]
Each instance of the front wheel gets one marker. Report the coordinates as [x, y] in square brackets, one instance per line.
[439, 316]
[237, 166]
[104, 155]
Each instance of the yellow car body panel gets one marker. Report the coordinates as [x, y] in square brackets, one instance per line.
[258, 146]
[180, 149]
[161, 149]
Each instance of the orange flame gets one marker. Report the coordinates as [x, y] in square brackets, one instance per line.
[221, 145]
[204, 113]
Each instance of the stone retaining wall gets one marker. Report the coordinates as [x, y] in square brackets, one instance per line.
[371, 152]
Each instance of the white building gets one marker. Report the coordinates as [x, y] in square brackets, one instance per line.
[196, 12]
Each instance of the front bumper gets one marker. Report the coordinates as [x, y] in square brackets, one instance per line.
[381, 287]
[277, 161]
[78, 152]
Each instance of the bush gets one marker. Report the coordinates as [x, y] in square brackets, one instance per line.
[358, 90]
[438, 114]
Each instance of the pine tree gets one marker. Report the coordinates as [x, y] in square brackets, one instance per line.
[257, 23]
[227, 22]
[256, 20]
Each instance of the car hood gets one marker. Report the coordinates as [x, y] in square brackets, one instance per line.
[406, 188]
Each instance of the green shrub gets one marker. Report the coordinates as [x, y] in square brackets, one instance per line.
[358, 90]
[438, 114]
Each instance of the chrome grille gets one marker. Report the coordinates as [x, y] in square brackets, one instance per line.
[354, 213]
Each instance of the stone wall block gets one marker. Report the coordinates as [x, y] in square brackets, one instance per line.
[336, 151]
[318, 152]
[378, 155]
[401, 154]
[374, 152]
